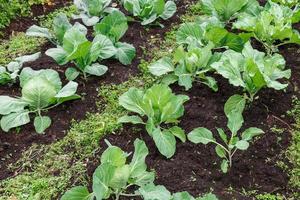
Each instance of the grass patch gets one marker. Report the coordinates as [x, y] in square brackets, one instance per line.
[293, 152]
[19, 44]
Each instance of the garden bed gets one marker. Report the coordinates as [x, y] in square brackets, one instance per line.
[194, 168]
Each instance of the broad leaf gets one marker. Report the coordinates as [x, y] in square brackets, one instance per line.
[77, 193]
[165, 142]
[14, 120]
[201, 135]
[41, 123]
[125, 53]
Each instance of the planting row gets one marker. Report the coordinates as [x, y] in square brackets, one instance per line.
[216, 43]
[42, 89]
[205, 47]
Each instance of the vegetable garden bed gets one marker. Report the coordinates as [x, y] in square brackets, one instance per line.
[86, 136]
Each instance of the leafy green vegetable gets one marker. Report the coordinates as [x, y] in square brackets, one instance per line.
[91, 11]
[114, 176]
[41, 91]
[272, 24]
[59, 27]
[227, 10]
[233, 109]
[208, 30]
[186, 67]
[150, 10]
[115, 26]
[159, 192]
[161, 107]
[11, 71]
[252, 70]
[78, 49]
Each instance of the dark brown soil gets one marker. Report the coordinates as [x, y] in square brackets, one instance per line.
[196, 168]
[12, 144]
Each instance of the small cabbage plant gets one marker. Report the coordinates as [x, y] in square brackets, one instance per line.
[148, 11]
[84, 54]
[41, 91]
[232, 142]
[187, 67]
[91, 11]
[228, 10]
[114, 26]
[59, 27]
[159, 192]
[207, 30]
[10, 72]
[252, 70]
[161, 108]
[115, 176]
[273, 26]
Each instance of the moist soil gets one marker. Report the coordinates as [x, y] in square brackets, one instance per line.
[15, 142]
[196, 168]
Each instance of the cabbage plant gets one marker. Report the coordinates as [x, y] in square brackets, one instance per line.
[252, 70]
[185, 67]
[207, 30]
[114, 26]
[228, 10]
[59, 27]
[232, 142]
[161, 108]
[10, 72]
[273, 26]
[84, 54]
[115, 176]
[148, 11]
[41, 90]
[91, 11]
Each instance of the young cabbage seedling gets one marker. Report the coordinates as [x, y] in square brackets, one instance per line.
[114, 177]
[233, 109]
[150, 10]
[10, 72]
[114, 26]
[187, 66]
[159, 192]
[91, 11]
[161, 107]
[273, 26]
[208, 30]
[41, 91]
[228, 10]
[78, 49]
[59, 27]
[252, 70]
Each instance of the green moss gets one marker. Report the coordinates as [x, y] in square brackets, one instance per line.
[46, 21]
[18, 45]
[14, 8]
[268, 196]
